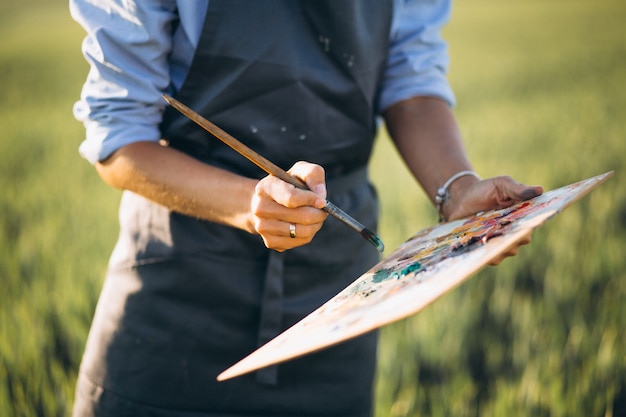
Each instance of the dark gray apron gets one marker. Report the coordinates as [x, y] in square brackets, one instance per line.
[184, 299]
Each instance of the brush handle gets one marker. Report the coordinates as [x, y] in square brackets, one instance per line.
[271, 168]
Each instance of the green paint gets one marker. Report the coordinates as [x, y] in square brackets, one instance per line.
[381, 275]
[385, 274]
[415, 266]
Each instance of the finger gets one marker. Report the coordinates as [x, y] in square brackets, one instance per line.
[287, 195]
[268, 209]
[509, 191]
[493, 193]
[531, 192]
[513, 249]
[281, 229]
[277, 235]
[312, 174]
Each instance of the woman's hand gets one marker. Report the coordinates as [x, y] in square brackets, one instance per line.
[493, 193]
[427, 136]
[285, 216]
[489, 194]
[185, 185]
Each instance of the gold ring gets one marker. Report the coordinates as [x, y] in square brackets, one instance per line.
[292, 230]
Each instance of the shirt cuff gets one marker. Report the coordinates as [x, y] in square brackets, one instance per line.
[102, 141]
[110, 125]
[429, 83]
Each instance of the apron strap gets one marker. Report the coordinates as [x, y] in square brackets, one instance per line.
[270, 324]
[271, 320]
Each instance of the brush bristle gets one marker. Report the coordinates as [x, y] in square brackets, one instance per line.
[373, 239]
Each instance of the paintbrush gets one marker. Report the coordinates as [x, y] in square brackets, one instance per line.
[274, 170]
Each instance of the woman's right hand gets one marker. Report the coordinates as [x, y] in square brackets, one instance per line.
[285, 216]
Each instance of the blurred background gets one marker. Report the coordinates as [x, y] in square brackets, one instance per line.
[541, 90]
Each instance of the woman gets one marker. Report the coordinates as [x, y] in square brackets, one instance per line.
[215, 258]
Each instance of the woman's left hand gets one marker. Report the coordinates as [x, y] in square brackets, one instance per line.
[493, 193]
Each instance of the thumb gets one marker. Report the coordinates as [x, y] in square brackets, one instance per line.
[509, 191]
[312, 174]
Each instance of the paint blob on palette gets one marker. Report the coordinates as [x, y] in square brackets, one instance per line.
[422, 269]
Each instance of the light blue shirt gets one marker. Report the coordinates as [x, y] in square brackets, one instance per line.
[139, 49]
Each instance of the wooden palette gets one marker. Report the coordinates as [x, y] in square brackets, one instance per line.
[421, 270]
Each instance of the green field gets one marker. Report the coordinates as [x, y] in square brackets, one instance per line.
[541, 89]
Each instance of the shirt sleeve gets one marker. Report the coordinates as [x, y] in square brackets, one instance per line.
[418, 58]
[127, 47]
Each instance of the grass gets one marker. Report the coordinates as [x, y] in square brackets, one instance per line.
[57, 219]
[540, 97]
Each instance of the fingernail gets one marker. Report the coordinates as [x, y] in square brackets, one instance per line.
[528, 193]
[320, 203]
